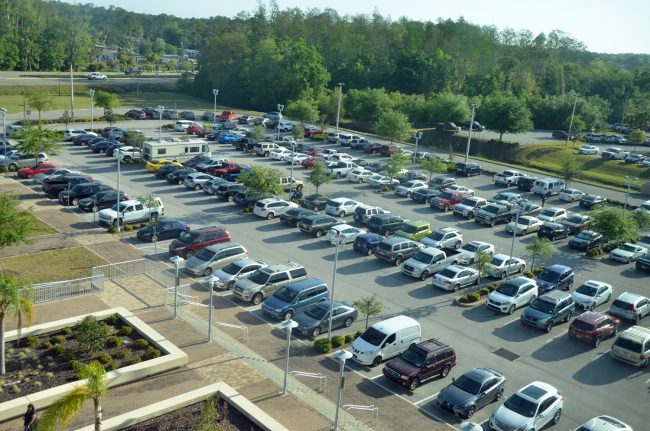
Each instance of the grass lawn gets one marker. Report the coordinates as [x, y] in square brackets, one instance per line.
[40, 227]
[55, 265]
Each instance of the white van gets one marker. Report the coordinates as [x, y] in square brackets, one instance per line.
[548, 186]
[386, 339]
[181, 125]
[345, 139]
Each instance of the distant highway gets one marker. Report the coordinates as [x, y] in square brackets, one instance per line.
[32, 78]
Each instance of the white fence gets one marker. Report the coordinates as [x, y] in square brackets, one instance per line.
[54, 291]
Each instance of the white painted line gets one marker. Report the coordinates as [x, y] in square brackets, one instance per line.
[560, 335]
[511, 321]
[598, 357]
[647, 381]
[426, 398]
[375, 377]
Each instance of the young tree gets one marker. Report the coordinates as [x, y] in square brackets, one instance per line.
[134, 138]
[66, 118]
[39, 101]
[398, 161]
[298, 131]
[262, 179]
[109, 116]
[15, 225]
[369, 306]
[636, 137]
[257, 133]
[393, 124]
[616, 224]
[106, 100]
[482, 261]
[505, 113]
[34, 140]
[64, 410]
[433, 165]
[539, 247]
[14, 301]
[303, 109]
[569, 169]
[318, 176]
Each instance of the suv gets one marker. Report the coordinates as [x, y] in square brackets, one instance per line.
[469, 206]
[593, 326]
[512, 294]
[340, 207]
[421, 362]
[271, 207]
[630, 306]
[317, 224]
[226, 191]
[441, 182]
[549, 309]
[526, 183]
[532, 407]
[80, 191]
[467, 169]
[555, 277]
[214, 257]
[396, 250]
[586, 240]
[363, 213]
[315, 202]
[53, 186]
[494, 213]
[385, 224]
[265, 281]
[415, 230]
[295, 297]
[445, 237]
[190, 243]
[101, 200]
[265, 148]
[552, 231]
[633, 346]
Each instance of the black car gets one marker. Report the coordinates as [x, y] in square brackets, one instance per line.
[314, 320]
[317, 224]
[592, 201]
[441, 182]
[187, 115]
[163, 229]
[375, 166]
[530, 209]
[293, 216]
[385, 224]
[248, 198]
[471, 391]
[53, 186]
[83, 139]
[467, 169]
[191, 163]
[576, 222]
[553, 231]
[110, 150]
[178, 176]
[73, 195]
[226, 191]
[586, 240]
[424, 195]
[315, 202]
[165, 170]
[101, 200]
[101, 146]
[526, 183]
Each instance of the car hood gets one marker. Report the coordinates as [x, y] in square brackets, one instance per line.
[402, 367]
[245, 284]
[536, 314]
[575, 240]
[622, 253]
[272, 302]
[546, 285]
[195, 262]
[304, 321]
[510, 418]
[583, 299]
[499, 297]
[456, 396]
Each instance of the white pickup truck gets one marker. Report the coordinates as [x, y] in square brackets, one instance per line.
[428, 261]
[341, 169]
[132, 211]
[508, 178]
[614, 153]
[129, 153]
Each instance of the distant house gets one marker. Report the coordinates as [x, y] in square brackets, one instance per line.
[105, 53]
[167, 58]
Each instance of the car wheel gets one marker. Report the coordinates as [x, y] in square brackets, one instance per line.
[207, 271]
[30, 176]
[498, 395]
[556, 418]
[197, 187]
[549, 327]
[408, 194]
[348, 322]
[368, 252]
[568, 316]
[288, 315]
[342, 214]
[445, 371]
[154, 238]
[424, 275]
[319, 233]
[359, 181]
[470, 215]
[95, 208]
[180, 182]
[492, 223]
[257, 298]
[456, 287]
[457, 245]
[316, 332]
[266, 154]
[414, 384]
[270, 216]
[503, 275]
[75, 202]
[644, 364]
[446, 208]
[511, 309]
[398, 260]
[597, 342]
[629, 260]
[376, 361]
[470, 412]
[154, 217]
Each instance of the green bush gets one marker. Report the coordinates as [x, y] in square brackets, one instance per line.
[57, 339]
[473, 297]
[91, 334]
[319, 137]
[338, 341]
[46, 345]
[121, 354]
[111, 365]
[126, 330]
[31, 341]
[536, 271]
[463, 299]
[349, 338]
[141, 343]
[151, 353]
[595, 252]
[128, 228]
[112, 320]
[66, 331]
[528, 274]
[112, 229]
[56, 350]
[114, 341]
[135, 359]
[323, 345]
[492, 287]
[484, 291]
[104, 358]
[358, 334]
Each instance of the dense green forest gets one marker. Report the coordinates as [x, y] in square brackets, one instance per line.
[427, 71]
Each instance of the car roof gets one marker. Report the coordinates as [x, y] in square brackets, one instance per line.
[629, 297]
[604, 423]
[537, 391]
[419, 223]
[482, 374]
[554, 296]
[224, 245]
[558, 268]
[520, 281]
[394, 323]
[592, 317]
[304, 284]
[448, 229]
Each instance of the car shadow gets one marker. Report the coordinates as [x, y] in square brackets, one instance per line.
[281, 239]
[365, 265]
[517, 332]
[343, 254]
[272, 227]
[482, 314]
[634, 273]
[424, 210]
[426, 291]
[560, 349]
[604, 370]
[320, 244]
[396, 279]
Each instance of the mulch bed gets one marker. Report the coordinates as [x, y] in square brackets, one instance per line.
[188, 419]
[33, 364]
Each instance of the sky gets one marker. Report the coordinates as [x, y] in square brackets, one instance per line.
[610, 26]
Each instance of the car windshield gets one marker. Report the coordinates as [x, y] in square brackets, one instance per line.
[493, 209]
[470, 247]
[188, 237]
[413, 357]
[436, 236]
[286, 295]
[373, 336]
[575, 219]
[123, 206]
[445, 195]
[332, 203]
[550, 276]
[626, 247]
[410, 228]
[508, 289]
[232, 269]
[586, 289]
[471, 202]
[548, 213]
[205, 255]
[317, 312]
[584, 235]
[582, 325]
[543, 306]
[627, 344]
[497, 261]
[259, 277]
[408, 184]
[447, 273]
[521, 406]
[468, 385]
[423, 257]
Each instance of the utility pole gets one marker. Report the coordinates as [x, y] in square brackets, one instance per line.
[71, 92]
[338, 110]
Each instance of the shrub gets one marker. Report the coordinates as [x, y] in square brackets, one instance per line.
[528, 274]
[484, 291]
[151, 353]
[66, 331]
[91, 334]
[338, 341]
[121, 354]
[38, 384]
[111, 365]
[31, 341]
[135, 359]
[125, 330]
[323, 345]
[492, 287]
[46, 345]
[141, 343]
[537, 271]
[112, 229]
[112, 320]
[57, 339]
[128, 227]
[595, 252]
[473, 297]
[463, 299]
[358, 334]
[56, 350]
[49, 374]
[114, 341]
[104, 358]
[75, 365]
[349, 338]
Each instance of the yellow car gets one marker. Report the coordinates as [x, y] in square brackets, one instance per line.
[157, 164]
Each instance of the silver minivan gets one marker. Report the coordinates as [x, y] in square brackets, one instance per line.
[547, 186]
[633, 346]
[265, 281]
[214, 257]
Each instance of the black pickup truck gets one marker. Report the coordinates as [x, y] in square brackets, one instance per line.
[494, 214]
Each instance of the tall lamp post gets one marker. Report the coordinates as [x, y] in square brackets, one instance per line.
[3, 112]
[117, 198]
[342, 356]
[628, 182]
[338, 241]
[176, 260]
[471, 127]
[280, 109]
[338, 110]
[160, 111]
[214, 116]
[211, 280]
[288, 326]
[91, 93]
[573, 112]
[517, 207]
[417, 136]
[293, 154]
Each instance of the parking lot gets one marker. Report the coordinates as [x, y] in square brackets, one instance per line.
[593, 383]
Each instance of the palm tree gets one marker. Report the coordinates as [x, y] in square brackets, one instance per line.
[13, 301]
[64, 410]
[539, 247]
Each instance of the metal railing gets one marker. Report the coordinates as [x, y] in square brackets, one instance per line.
[232, 325]
[371, 408]
[322, 379]
[56, 290]
[121, 269]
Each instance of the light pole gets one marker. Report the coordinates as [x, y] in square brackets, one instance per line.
[293, 154]
[119, 165]
[338, 110]
[177, 260]
[160, 111]
[3, 112]
[280, 108]
[342, 356]
[210, 279]
[417, 136]
[214, 117]
[471, 127]
[628, 185]
[568, 134]
[338, 241]
[91, 93]
[517, 207]
[288, 326]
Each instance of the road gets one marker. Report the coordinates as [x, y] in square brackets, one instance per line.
[32, 78]
[593, 383]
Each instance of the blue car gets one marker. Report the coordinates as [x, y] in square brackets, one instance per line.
[366, 243]
[555, 277]
[228, 138]
[163, 229]
[292, 298]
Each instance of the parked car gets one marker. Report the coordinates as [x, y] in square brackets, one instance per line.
[441, 182]
[592, 327]
[553, 231]
[189, 243]
[214, 257]
[317, 224]
[576, 222]
[226, 277]
[548, 310]
[341, 207]
[315, 202]
[586, 240]
[266, 281]
[634, 158]
[591, 294]
[455, 277]
[396, 250]
[630, 306]
[555, 215]
[73, 195]
[415, 230]
[627, 253]
[468, 169]
[555, 277]
[468, 207]
[502, 265]
[163, 229]
[425, 195]
[472, 391]
[294, 297]
[588, 149]
[314, 320]
[343, 234]
[530, 408]
[512, 294]
[469, 251]
[101, 200]
[571, 195]
[421, 362]
[409, 187]
[592, 201]
[445, 237]
[366, 243]
[633, 346]
[272, 207]
[604, 423]
[526, 183]
[524, 225]
[39, 168]
[292, 216]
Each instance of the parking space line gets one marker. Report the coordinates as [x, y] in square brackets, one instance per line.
[511, 321]
[562, 334]
[426, 398]
[375, 377]
[647, 381]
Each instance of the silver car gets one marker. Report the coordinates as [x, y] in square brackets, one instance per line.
[455, 277]
[225, 277]
[630, 306]
[604, 423]
[532, 407]
[343, 233]
[214, 257]
[502, 265]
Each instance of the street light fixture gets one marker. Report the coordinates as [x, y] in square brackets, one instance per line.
[342, 356]
[160, 111]
[417, 136]
[280, 109]
[91, 93]
[338, 241]
[118, 157]
[176, 260]
[211, 280]
[214, 116]
[287, 326]
[517, 206]
[338, 110]
[628, 182]
[471, 128]
[293, 155]
[568, 135]
[3, 112]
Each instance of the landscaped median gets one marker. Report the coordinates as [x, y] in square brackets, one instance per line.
[166, 357]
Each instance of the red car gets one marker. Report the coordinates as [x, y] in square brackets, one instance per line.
[136, 114]
[227, 116]
[388, 149]
[592, 327]
[36, 169]
[315, 151]
[447, 199]
[194, 129]
[312, 131]
[190, 243]
[311, 161]
[228, 168]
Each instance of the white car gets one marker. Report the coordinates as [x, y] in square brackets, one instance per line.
[455, 277]
[296, 158]
[445, 237]
[226, 277]
[382, 181]
[410, 186]
[280, 154]
[340, 207]
[588, 149]
[571, 195]
[70, 134]
[530, 408]
[359, 175]
[344, 233]
[342, 157]
[466, 191]
[645, 163]
[644, 241]
[554, 215]
[272, 207]
[512, 294]
[604, 423]
[96, 76]
[39, 178]
[524, 225]
[285, 126]
[591, 294]
[195, 180]
[469, 251]
[627, 252]
[501, 265]
[327, 153]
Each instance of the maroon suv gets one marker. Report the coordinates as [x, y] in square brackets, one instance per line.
[421, 362]
[190, 243]
[592, 327]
